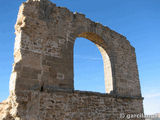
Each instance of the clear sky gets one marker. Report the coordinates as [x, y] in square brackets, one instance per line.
[138, 20]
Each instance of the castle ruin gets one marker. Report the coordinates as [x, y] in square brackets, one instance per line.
[42, 79]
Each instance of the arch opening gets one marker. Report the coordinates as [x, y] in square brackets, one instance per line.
[96, 61]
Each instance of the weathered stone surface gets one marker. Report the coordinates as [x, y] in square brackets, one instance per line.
[42, 84]
[62, 105]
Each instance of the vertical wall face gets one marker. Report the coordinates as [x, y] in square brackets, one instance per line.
[45, 36]
[107, 70]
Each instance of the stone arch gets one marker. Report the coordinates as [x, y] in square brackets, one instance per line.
[50, 25]
[100, 43]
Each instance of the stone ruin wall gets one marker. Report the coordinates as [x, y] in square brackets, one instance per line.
[42, 80]
[71, 106]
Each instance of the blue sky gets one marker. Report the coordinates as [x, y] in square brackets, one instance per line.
[138, 20]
